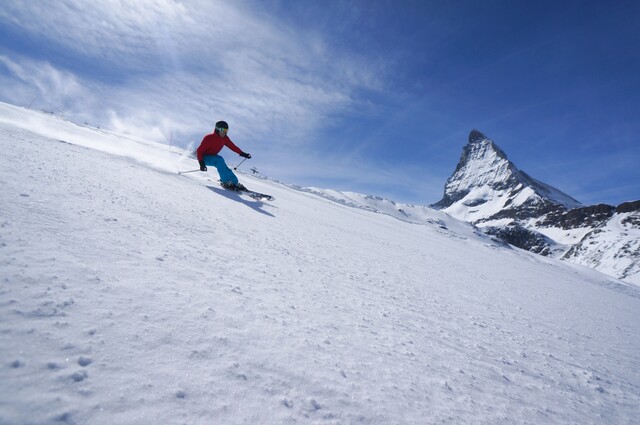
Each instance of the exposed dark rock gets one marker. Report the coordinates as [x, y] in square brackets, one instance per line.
[633, 220]
[521, 237]
[590, 216]
[475, 136]
[628, 207]
[476, 202]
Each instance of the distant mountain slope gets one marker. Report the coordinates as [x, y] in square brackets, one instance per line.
[612, 247]
[488, 190]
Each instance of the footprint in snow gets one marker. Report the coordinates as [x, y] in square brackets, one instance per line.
[79, 376]
[84, 361]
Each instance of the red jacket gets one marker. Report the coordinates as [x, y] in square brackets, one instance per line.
[212, 144]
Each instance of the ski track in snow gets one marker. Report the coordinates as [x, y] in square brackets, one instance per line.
[131, 296]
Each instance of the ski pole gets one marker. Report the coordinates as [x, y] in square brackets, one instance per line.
[236, 167]
[190, 171]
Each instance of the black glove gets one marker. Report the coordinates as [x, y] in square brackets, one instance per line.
[245, 155]
[203, 167]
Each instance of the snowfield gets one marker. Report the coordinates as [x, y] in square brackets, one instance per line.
[132, 295]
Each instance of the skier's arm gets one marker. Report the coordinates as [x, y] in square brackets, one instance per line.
[200, 151]
[200, 155]
[228, 143]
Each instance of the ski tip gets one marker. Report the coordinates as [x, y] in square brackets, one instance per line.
[262, 197]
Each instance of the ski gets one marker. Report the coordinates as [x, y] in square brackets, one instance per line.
[257, 195]
[253, 194]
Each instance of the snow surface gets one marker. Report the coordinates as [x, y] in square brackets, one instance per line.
[480, 203]
[132, 295]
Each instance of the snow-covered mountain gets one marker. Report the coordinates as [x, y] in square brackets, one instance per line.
[487, 186]
[130, 294]
[488, 190]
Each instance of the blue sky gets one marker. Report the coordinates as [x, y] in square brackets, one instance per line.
[376, 97]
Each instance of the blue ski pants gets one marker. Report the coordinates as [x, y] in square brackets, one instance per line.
[226, 175]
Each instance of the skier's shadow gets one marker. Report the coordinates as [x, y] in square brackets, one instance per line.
[254, 204]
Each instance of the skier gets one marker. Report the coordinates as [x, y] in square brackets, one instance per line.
[208, 151]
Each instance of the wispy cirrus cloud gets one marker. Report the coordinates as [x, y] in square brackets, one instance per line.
[177, 67]
[27, 81]
[107, 31]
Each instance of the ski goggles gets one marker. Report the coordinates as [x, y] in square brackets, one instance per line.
[222, 130]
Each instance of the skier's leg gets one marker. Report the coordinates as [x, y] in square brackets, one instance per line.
[226, 175]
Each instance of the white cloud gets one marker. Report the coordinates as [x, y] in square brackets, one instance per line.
[191, 63]
[105, 29]
[48, 87]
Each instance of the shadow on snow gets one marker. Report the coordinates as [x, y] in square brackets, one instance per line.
[236, 196]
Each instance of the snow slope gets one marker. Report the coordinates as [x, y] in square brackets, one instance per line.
[132, 295]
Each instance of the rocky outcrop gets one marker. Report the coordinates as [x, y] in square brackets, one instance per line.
[522, 238]
[628, 207]
[590, 216]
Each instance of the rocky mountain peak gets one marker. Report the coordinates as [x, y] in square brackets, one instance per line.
[476, 136]
[482, 163]
[484, 175]
[481, 153]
